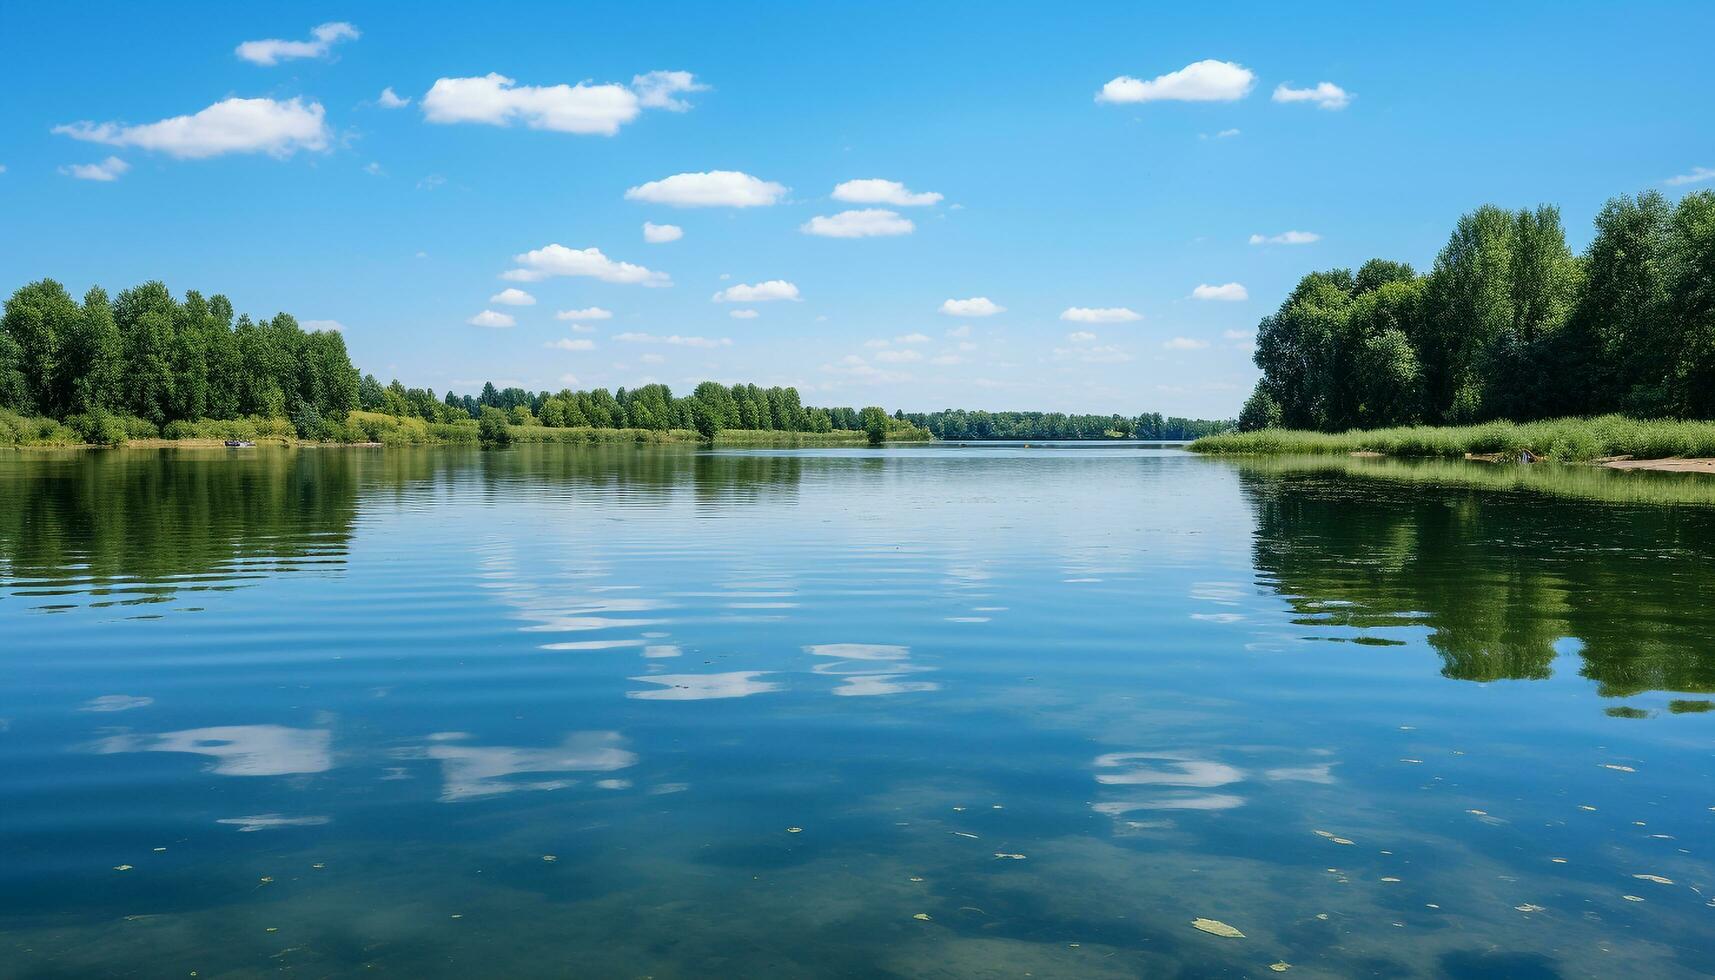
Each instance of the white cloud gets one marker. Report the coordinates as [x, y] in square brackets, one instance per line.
[332, 326]
[1185, 343]
[496, 100]
[876, 191]
[675, 340]
[762, 292]
[273, 51]
[652, 358]
[946, 359]
[1326, 95]
[389, 99]
[878, 342]
[854, 366]
[911, 338]
[865, 223]
[558, 260]
[566, 343]
[232, 126]
[1231, 292]
[431, 182]
[1286, 238]
[743, 314]
[373, 169]
[1200, 81]
[513, 297]
[582, 328]
[489, 318]
[712, 189]
[1100, 314]
[898, 356]
[1226, 134]
[655, 234]
[111, 168]
[1238, 334]
[656, 90]
[1697, 176]
[1080, 336]
[975, 306]
[962, 330]
[592, 313]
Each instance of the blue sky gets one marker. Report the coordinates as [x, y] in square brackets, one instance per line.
[399, 223]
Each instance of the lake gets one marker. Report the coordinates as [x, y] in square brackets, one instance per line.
[939, 711]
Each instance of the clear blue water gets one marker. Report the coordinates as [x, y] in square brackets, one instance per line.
[926, 712]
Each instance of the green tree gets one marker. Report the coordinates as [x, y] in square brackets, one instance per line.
[38, 317]
[145, 318]
[1260, 411]
[92, 357]
[492, 427]
[875, 425]
[1692, 301]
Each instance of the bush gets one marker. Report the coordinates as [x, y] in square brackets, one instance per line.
[98, 428]
[492, 428]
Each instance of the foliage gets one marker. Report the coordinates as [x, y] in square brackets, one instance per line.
[979, 425]
[1566, 440]
[1508, 324]
[493, 428]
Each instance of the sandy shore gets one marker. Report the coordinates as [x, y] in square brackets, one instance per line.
[1673, 465]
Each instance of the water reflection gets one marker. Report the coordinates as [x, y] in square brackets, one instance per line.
[870, 669]
[238, 750]
[704, 687]
[471, 772]
[1503, 583]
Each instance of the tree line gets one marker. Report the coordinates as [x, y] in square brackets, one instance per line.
[149, 356]
[978, 425]
[1508, 324]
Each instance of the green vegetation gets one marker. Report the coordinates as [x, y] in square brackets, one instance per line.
[144, 365]
[1564, 440]
[1508, 324]
[1594, 484]
[960, 424]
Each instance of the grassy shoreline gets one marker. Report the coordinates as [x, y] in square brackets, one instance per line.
[1569, 440]
[468, 436]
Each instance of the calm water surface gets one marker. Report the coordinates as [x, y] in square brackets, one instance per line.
[929, 712]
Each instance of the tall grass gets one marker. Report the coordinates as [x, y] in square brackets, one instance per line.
[1592, 483]
[1565, 440]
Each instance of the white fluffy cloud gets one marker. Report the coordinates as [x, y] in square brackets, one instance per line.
[1200, 81]
[743, 314]
[1104, 354]
[558, 260]
[656, 234]
[912, 338]
[566, 343]
[675, 340]
[762, 292]
[1185, 343]
[109, 169]
[322, 39]
[898, 356]
[513, 297]
[657, 89]
[489, 318]
[1697, 175]
[1286, 238]
[877, 191]
[584, 108]
[864, 223]
[1080, 336]
[1326, 95]
[711, 189]
[1100, 314]
[592, 313]
[389, 99]
[232, 126]
[975, 306]
[1231, 292]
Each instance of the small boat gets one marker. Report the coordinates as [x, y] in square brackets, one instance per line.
[240, 444]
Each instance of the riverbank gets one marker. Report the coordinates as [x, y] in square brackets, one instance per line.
[1610, 439]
